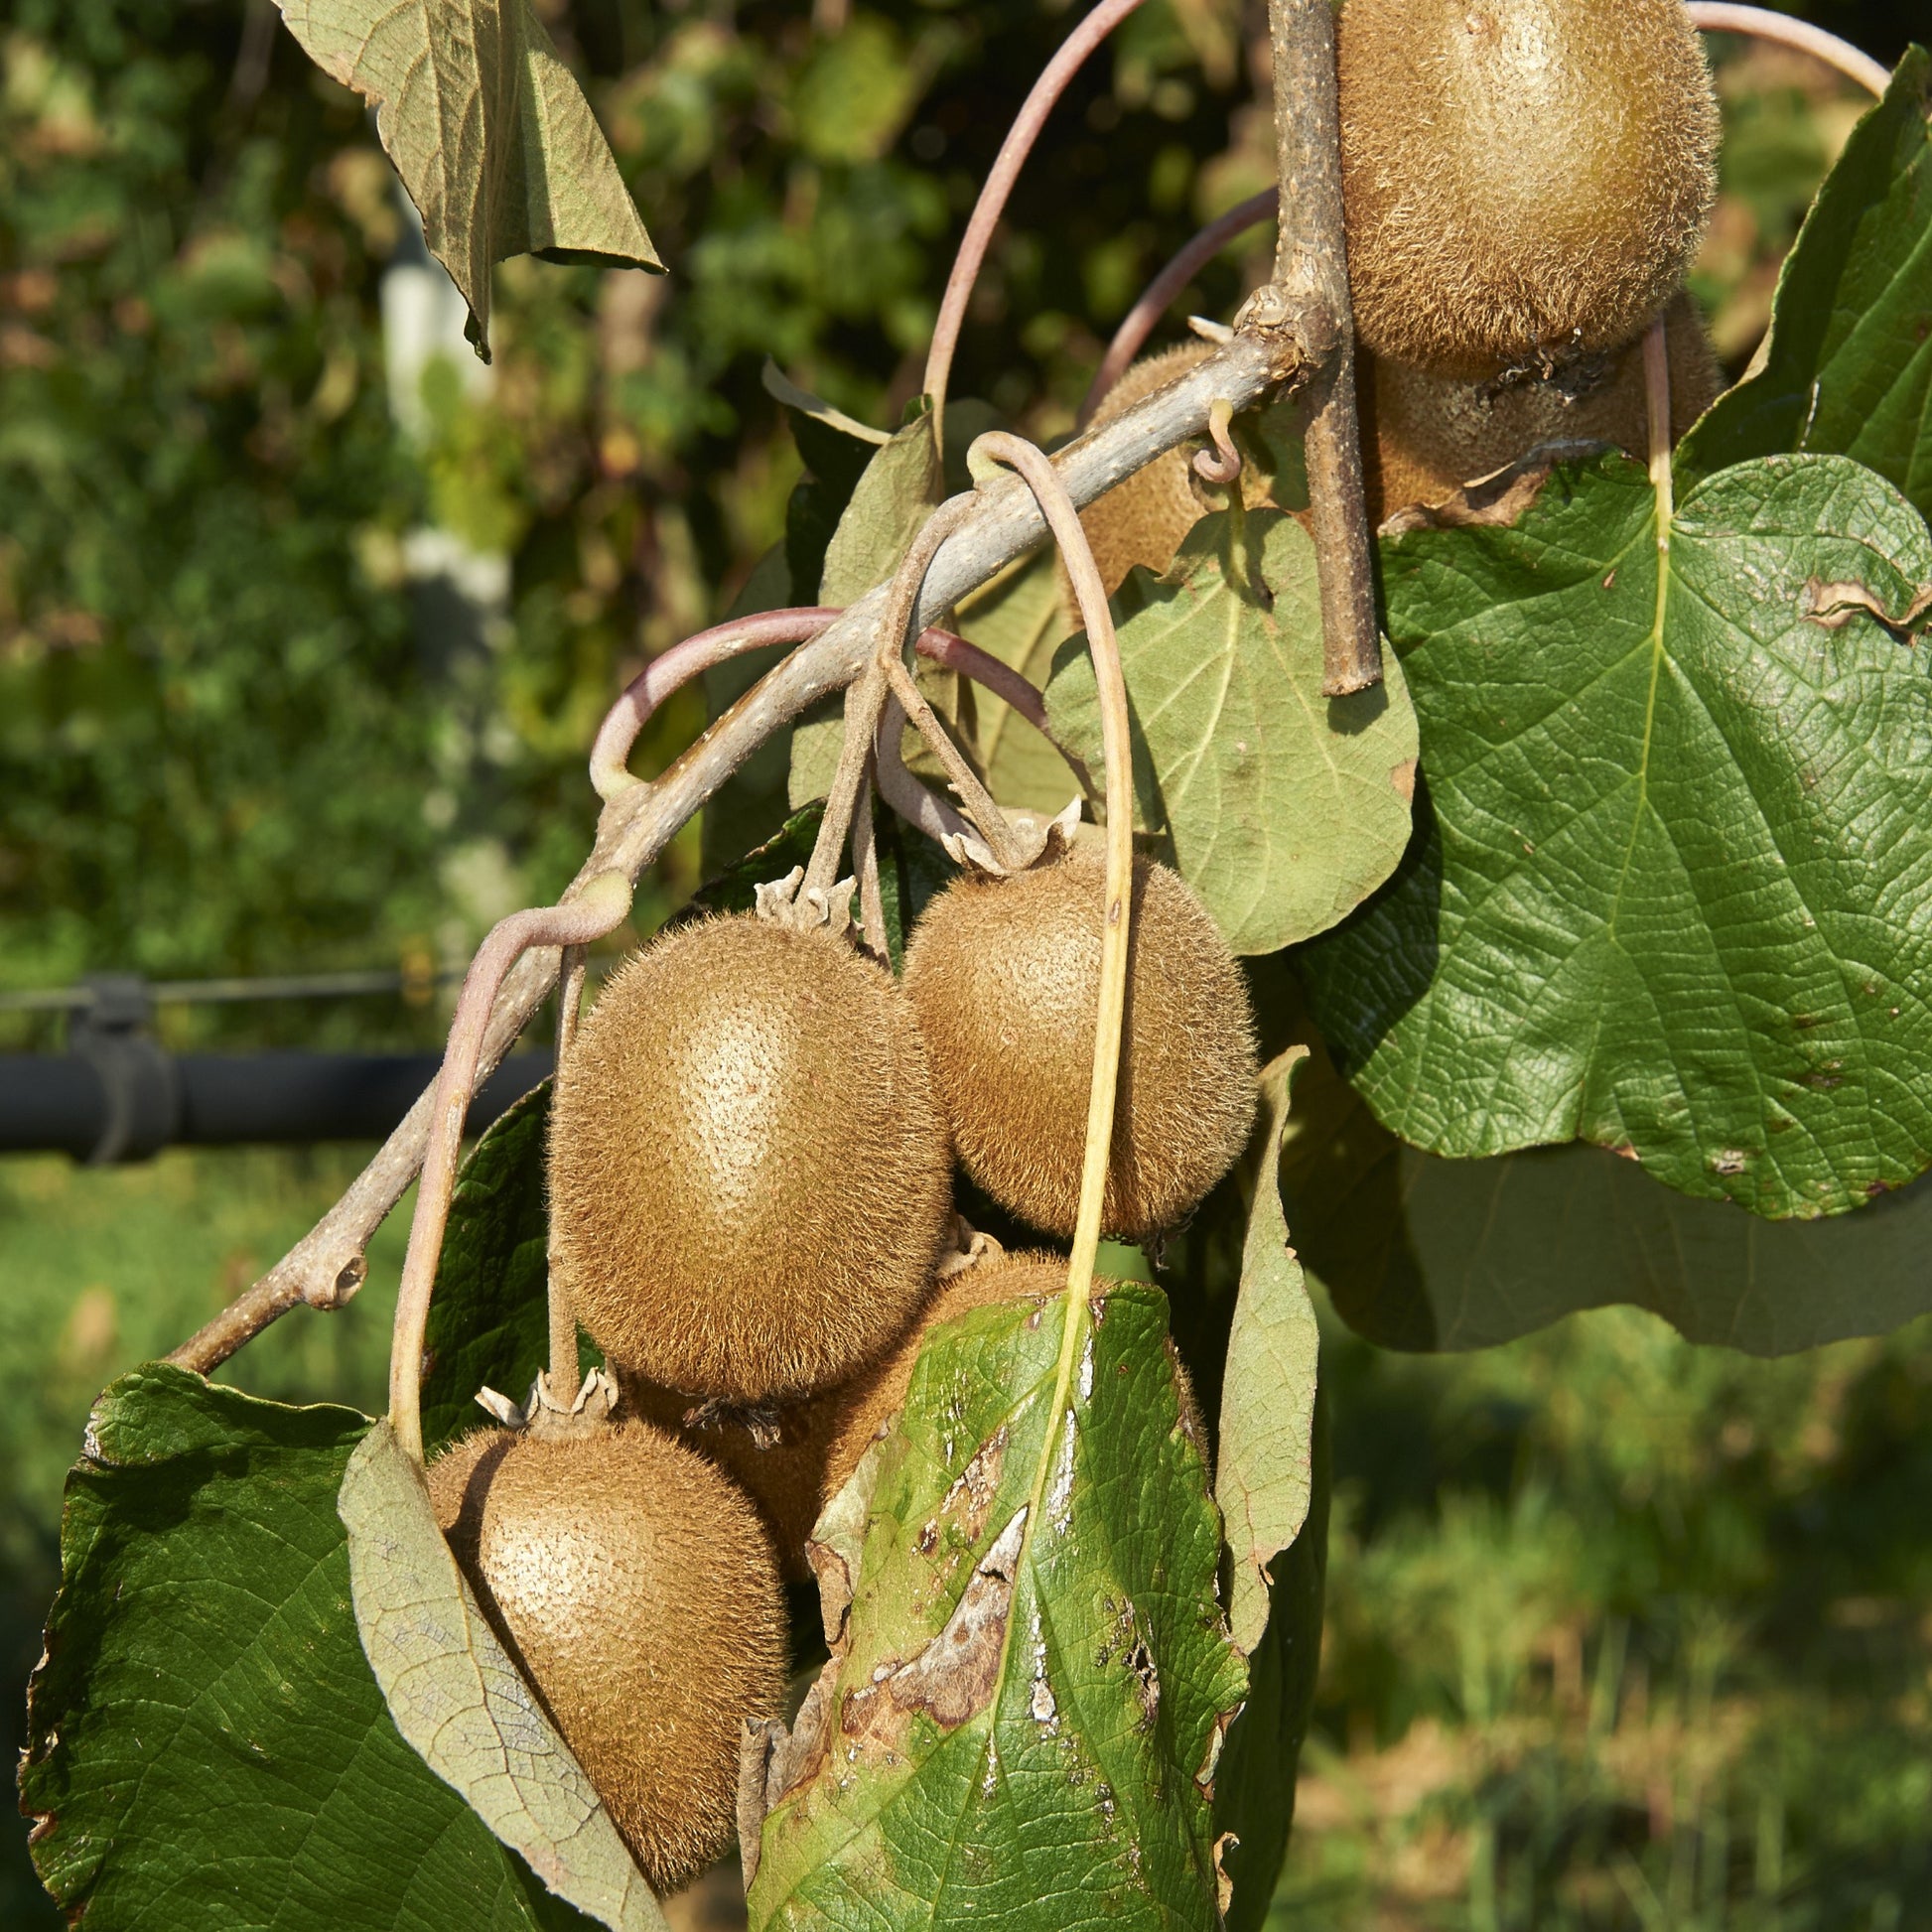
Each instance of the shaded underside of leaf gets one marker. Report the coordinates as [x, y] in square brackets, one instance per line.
[1026, 1719]
[1670, 889]
[460, 1701]
[1265, 1457]
[207, 1747]
[1284, 809]
[489, 130]
[1426, 1254]
[1848, 367]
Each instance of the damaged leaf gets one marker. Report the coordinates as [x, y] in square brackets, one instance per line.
[1023, 1725]
[205, 1744]
[460, 1702]
[487, 128]
[1284, 808]
[1669, 882]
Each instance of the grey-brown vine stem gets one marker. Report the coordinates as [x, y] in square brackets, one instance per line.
[1311, 270]
[325, 1268]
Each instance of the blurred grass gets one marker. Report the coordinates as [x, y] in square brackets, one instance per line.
[1623, 1634]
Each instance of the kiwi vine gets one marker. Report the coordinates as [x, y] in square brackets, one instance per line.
[805, 1152]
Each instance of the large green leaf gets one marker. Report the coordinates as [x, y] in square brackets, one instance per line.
[1284, 809]
[487, 128]
[1026, 1717]
[1848, 368]
[1674, 891]
[460, 1700]
[1422, 1253]
[207, 1747]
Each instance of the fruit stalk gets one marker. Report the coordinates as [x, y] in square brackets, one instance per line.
[1311, 269]
[1116, 745]
[325, 1268]
[563, 1316]
[599, 909]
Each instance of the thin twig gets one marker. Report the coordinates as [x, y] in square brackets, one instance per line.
[1117, 921]
[328, 1264]
[1760, 21]
[1311, 268]
[1021, 136]
[1160, 294]
[676, 668]
[604, 904]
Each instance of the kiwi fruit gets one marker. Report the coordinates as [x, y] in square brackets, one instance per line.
[1425, 436]
[636, 1587]
[1004, 974]
[859, 1414]
[750, 1179]
[1143, 519]
[781, 1477]
[1525, 180]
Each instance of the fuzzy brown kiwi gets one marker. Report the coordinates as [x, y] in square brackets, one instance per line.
[1525, 179]
[1143, 519]
[636, 1589]
[1425, 436]
[859, 1414]
[782, 1478]
[1004, 974]
[750, 1179]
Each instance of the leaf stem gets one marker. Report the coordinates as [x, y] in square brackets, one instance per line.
[1160, 294]
[603, 905]
[1656, 383]
[672, 670]
[1116, 928]
[1711, 16]
[1021, 136]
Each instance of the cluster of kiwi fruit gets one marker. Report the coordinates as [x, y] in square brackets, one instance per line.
[1525, 184]
[750, 1177]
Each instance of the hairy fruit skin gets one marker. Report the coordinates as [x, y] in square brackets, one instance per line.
[1425, 436]
[1525, 179]
[1004, 974]
[750, 1179]
[636, 1587]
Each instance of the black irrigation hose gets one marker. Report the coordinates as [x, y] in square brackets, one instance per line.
[127, 1103]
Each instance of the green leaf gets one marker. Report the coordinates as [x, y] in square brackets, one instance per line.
[1263, 1474]
[1254, 1791]
[487, 1322]
[207, 1747]
[487, 128]
[894, 496]
[1427, 1254]
[1035, 1675]
[1019, 619]
[1284, 809]
[1675, 891]
[462, 1703]
[1848, 367]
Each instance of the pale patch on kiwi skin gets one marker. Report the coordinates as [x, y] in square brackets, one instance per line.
[750, 1179]
[1143, 519]
[866, 1409]
[1425, 436]
[1002, 974]
[636, 1589]
[1525, 179]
